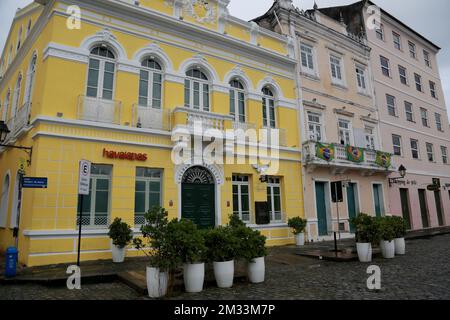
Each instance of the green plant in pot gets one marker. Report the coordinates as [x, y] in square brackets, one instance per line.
[158, 247]
[222, 245]
[366, 235]
[386, 230]
[298, 226]
[189, 243]
[121, 235]
[252, 248]
[400, 227]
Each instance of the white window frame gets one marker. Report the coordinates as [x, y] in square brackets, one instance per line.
[433, 91]
[343, 132]
[438, 119]
[430, 152]
[380, 32]
[267, 101]
[10, 55]
[444, 152]
[361, 78]
[4, 200]
[201, 83]
[405, 76]
[310, 58]
[239, 183]
[93, 194]
[148, 181]
[101, 74]
[275, 182]
[338, 69]
[6, 104]
[370, 137]
[394, 106]
[416, 149]
[237, 93]
[426, 58]
[313, 134]
[387, 68]
[150, 83]
[19, 39]
[418, 82]
[397, 39]
[412, 50]
[411, 112]
[15, 105]
[399, 146]
[424, 117]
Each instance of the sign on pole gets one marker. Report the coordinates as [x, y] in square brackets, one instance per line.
[84, 182]
[85, 177]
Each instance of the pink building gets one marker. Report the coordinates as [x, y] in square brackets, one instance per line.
[412, 110]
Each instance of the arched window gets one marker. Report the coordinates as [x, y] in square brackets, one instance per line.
[4, 201]
[237, 100]
[268, 105]
[28, 27]
[10, 55]
[30, 80]
[16, 99]
[150, 84]
[196, 90]
[101, 73]
[17, 202]
[6, 105]
[19, 39]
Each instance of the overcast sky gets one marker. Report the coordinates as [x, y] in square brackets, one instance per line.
[430, 18]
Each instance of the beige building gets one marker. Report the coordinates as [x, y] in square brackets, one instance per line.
[343, 170]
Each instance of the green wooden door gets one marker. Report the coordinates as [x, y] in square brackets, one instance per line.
[424, 208]
[351, 204]
[437, 199]
[377, 199]
[321, 209]
[198, 204]
[404, 198]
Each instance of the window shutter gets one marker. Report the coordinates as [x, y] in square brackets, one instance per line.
[359, 138]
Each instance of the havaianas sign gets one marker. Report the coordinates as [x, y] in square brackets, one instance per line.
[122, 155]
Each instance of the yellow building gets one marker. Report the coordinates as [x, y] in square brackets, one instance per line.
[110, 82]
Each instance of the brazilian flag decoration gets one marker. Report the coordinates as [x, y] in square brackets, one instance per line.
[325, 151]
[383, 159]
[355, 154]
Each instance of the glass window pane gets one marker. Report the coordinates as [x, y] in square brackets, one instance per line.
[140, 186]
[245, 202]
[109, 67]
[235, 203]
[108, 81]
[187, 93]
[93, 78]
[157, 91]
[277, 203]
[139, 202]
[155, 186]
[154, 200]
[91, 92]
[102, 184]
[101, 201]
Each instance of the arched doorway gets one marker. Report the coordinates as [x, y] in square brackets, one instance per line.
[198, 197]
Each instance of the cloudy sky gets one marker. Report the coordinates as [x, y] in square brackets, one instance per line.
[430, 18]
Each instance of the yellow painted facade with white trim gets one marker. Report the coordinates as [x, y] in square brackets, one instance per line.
[60, 137]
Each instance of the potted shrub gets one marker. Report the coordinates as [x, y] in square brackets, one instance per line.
[189, 244]
[163, 259]
[298, 226]
[252, 248]
[386, 229]
[121, 235]
[400, 232]
[222, 246]
[366, 234]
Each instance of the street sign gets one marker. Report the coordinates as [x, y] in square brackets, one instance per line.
[34, 183]
[84, 179]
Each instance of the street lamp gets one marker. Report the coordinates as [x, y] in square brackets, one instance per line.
[4, 131]
[402, 171]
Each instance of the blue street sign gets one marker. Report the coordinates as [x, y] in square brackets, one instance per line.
[34, 183]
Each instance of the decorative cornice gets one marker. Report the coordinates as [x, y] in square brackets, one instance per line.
[343, 112]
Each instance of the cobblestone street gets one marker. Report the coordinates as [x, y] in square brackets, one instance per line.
[424, 273]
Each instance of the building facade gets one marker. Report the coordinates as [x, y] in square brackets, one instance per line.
[412, 109]
[113, 92]
[342, 150]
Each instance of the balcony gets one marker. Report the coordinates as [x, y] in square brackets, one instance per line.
[189, 118]
[341, 163]
[99, 110]
[21, 120]
[243, 126]
[151, 118]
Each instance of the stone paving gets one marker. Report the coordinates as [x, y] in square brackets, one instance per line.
[424, 273]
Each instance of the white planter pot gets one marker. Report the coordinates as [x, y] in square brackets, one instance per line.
[300, 239]
[118, 253]
[194, 277]
[256, 270]
[157, 282]
[224, 273]
[387, 249]
[400, 246]
[364, 252]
